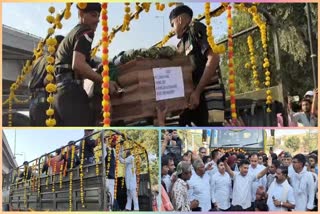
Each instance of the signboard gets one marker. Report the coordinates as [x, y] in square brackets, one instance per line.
[168, 83]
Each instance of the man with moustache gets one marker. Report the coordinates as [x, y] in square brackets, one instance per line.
[280, 193]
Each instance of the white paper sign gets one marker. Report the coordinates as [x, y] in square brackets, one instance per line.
[168, 83]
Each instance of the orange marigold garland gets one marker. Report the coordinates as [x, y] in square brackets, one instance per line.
[105, 62]
[231, 68]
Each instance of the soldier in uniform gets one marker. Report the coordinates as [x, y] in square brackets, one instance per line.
[193, 43]
[38, 103]
[72, 66]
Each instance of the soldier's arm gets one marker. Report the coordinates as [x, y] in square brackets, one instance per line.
[209, 71]
[212, 64]
[80, 53]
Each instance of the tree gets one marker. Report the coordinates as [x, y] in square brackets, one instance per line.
[293, 143]
[291, 26]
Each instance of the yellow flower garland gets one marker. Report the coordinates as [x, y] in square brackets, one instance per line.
[60, 176]
[70, 177]
[53, 175]
[81, 174]
[126, 18]
[253, 63]
[263, 32]
[218, 49]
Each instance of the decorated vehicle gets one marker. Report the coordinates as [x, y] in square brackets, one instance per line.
[60, 183]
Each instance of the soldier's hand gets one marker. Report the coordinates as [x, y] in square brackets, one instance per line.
[113, 88]
[194, 100]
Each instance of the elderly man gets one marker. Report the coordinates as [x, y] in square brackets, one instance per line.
[280, 193]
[242, 186]
[303, 184]
[199, 186]
[179, 196]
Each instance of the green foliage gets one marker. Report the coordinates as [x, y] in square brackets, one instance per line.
[149, 139]
[292, 143]
[295, 63]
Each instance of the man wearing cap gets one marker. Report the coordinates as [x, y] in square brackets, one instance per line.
[179, 195]
[72, 67]
[38, 103]
[193, 42]
[27, 172]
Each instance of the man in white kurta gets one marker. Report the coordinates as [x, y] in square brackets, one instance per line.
[280, 193]
[254, 169]
[130, 180]
[303, 184]
[221, 190]
[199, 186]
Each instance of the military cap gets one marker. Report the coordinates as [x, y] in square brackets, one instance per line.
[180, 10]
[91, 7]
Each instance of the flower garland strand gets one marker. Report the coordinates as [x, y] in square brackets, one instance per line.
[105, 63]
[160, 6]
[126, 18]
[60, 176]
[263, 31]
[253, 63]
[218, 49]
[116, 171]
[231, 68]
[81, 174]
[53, 175]
[70, 178]
[51, 88]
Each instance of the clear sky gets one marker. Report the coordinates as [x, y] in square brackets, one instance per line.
[31, 144]
[144, 32]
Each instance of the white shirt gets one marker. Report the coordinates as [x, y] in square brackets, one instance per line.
[290, 171]
[167, 180]
[221, 190]
[303, 121]
[242, 190]
[130, 176]
[258, 182]
[281, 192]
[199, 189]
[303, 189]
[214, 168]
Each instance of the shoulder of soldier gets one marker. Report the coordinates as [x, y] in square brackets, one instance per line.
[196, 26]
[84, 30]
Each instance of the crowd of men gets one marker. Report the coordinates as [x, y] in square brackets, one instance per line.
[239, 182]
[62, 159]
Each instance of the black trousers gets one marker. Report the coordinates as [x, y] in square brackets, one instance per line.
[71, 103]
[37, 110]
[198, 116]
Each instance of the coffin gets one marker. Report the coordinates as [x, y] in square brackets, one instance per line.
[137, 78]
